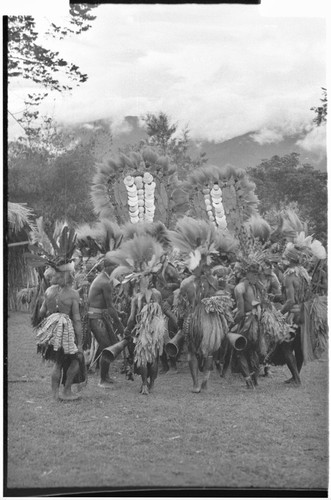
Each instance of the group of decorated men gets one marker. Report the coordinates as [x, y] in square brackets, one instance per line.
[240, 307]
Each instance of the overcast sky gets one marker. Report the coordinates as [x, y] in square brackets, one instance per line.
[223, 70]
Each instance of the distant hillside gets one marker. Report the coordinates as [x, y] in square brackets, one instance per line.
[241, 151]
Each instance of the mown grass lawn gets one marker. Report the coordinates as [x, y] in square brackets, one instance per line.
[228, 437]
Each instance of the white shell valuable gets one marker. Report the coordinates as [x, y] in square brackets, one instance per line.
[128, 181]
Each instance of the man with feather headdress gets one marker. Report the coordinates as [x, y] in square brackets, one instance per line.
[138, 259]
[257, 317]
[305, 310]
[248, 294]
[103, 317]
[165, 279]
[59, 334]
[206, 311]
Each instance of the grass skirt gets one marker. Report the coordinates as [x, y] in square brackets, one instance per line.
[314, 330]
[208, 326]
[311, 336]
[150, 332]
[54, 333]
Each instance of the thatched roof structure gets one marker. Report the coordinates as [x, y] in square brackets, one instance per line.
[20, 275]
[20, 223]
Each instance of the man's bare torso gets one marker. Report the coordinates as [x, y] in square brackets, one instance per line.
[246, 292]
[99, 288]
[60, 299]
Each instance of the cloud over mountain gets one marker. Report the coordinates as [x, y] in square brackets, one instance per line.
[223, 70]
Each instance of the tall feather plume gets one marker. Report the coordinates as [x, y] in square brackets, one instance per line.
[155, 229]
[138, 254]
[45, 251]
[258, 228]
[291, 225]
[161, 234]
[225, 242]
[58, 228]
[39, 237]
[191, 234]
[88, 239]
[66, 244]
[131, 230]
[112, 234]
[102, 203]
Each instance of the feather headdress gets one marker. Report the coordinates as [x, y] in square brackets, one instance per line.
[55, 251]
[196, 239]
[157, 230]
[137, 258]
[252, 250]
[258, 228]
[304, 246]
[289, 226]
[99, 238]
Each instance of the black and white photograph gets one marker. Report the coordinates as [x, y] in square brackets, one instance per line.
[165, 235]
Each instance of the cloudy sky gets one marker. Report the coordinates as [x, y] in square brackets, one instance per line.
[224, 70]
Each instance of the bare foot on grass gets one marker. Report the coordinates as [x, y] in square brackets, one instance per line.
[106, 384]
[69, 397]
[144, 390]
[204, 386]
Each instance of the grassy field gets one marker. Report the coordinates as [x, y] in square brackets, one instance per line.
[228, 437]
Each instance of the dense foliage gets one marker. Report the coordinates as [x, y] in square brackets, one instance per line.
[282, 180]
[55, 183]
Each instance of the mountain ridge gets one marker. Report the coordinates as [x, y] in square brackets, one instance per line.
[241, 151]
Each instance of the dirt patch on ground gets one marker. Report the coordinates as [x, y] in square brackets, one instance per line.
[228, 437]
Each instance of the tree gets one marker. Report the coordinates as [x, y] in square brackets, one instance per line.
[29, 60]
[161, 137]
[54, 177]
[282, 180]
[160, 131]
[321, 111]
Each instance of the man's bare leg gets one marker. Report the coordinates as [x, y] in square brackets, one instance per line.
[144, 375]
[206, 372]
[105, 381]
[102, 337]
[72, 371]
[164, 363]
[194, 367]
[244, 368]
[291, 364]
[56, 379]
[172, 365]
